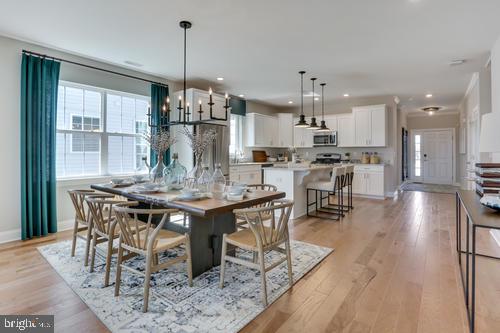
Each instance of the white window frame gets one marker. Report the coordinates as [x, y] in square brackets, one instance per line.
[103, 163]
[240, 127]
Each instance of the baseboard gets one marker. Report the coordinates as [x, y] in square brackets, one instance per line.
[15, 234]
[496, 236]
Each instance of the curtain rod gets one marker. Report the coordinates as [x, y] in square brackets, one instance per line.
[93, 67]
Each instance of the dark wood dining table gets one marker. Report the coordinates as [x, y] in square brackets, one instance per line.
[209, 219]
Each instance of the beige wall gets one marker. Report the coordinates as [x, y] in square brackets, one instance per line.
[10, 82]
[431, 122]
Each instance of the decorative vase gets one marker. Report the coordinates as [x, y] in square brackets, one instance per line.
[194, 174]
[159, 171]
[176, 174]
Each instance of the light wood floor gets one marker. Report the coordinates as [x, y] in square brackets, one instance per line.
[394, 269]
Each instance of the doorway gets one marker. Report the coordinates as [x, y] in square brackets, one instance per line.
[432, 156]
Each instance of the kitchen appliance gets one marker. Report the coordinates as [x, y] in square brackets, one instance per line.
[325, 139]
[218, 152]
[328, 158]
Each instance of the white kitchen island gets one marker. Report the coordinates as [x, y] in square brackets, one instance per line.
[293, 181]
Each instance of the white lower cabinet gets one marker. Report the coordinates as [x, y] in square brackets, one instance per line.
[369, 180]
[246, 174]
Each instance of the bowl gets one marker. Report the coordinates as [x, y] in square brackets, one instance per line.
[117, 181]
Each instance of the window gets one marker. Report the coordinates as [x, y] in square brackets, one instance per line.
[418, 160]
[236, 135]
[99, 132]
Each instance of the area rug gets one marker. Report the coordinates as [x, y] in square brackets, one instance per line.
[433, 188]
[173, 305]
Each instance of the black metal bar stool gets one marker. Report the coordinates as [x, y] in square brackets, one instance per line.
[347, 180]
[332, 187]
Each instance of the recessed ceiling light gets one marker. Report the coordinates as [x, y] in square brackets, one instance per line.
[346, 95]
[431, 113]
[220, 79]
[457, 62]
[428, 95]
[241, 95]
[290, 102]
[133, 63]
[316, 98]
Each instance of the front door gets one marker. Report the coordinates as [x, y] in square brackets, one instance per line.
[432, 156]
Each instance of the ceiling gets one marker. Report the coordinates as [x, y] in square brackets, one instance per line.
[364, 48]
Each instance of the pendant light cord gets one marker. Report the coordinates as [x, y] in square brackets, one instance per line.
[184, 92]
[313, 79]
[323, 101]
[302, 92]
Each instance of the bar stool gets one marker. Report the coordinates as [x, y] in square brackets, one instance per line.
[347, 180]
[83, 219]
[334, 186]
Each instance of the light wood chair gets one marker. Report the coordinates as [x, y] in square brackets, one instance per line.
[104, 229]
[241, 222]
[148, 242]
[260, 239]
[82, 227]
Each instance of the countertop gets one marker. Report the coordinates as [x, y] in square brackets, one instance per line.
[254, 163]
[314, 167]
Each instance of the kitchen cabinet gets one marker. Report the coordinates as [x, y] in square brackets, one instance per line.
[193, 96]
[370, 126]
[261, 130]
[303, 137]
[285, 130]
[369, 180]
[331, 122]
[246, 174]
[345, 132]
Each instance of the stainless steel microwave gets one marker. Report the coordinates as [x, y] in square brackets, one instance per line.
[325, 139]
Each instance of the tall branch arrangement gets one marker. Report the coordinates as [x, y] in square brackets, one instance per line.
[160, 141]
[199, 142]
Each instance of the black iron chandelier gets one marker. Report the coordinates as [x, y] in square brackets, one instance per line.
[183, 107]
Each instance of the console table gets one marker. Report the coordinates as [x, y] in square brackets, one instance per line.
[476, 216]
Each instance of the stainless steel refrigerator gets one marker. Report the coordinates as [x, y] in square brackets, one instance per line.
[218, 152]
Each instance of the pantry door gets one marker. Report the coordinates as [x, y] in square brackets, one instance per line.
[432, 156]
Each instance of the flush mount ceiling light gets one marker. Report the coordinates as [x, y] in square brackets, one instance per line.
[346, 95]
[314, 125]
[220, 79]
[302, 119]
[428, 95]
[241, 95]
[290, 102]
[431, 109]
[323, 127]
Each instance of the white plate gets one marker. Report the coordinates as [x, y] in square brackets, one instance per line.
[191, 197]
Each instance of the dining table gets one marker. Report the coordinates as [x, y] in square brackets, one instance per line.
[209, 218]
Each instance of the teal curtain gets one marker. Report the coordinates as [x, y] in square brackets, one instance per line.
[159, 96]
[39, 83]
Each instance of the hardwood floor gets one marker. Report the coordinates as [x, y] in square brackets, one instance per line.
[394, 269]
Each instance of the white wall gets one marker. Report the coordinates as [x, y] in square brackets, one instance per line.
[10, 83]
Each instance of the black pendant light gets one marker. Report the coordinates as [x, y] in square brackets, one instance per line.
[302, 119]
[314, 125]
[323, 127]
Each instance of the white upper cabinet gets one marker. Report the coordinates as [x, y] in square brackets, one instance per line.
[370, 126]
[331, 122]
[285, 130]
[302, 137]
[345, 131]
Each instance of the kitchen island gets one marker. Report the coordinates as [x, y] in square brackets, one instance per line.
[293, 181]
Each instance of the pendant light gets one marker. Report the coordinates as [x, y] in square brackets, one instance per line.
[314, 125]
[323, 127]
[302, 119]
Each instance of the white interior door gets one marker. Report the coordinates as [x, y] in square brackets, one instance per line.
[473, 128]
[432, 156]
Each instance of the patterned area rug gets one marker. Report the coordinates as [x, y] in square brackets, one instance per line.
[173, 305]
[435, 188]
